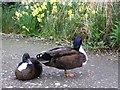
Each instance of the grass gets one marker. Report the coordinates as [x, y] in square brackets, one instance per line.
[9, 24]
[60, 28]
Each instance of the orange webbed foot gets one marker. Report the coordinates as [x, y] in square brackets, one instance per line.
[69, 75]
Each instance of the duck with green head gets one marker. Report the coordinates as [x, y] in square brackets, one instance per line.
[65, 58]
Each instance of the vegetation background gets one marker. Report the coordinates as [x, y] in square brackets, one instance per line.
[97, 22]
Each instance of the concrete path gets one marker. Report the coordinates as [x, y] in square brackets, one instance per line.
[101, 71]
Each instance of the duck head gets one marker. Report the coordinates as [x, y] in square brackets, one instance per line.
[77, 43]
[26, 58]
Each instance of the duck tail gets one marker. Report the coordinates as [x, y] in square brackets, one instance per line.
[38, 56]
[43, 56]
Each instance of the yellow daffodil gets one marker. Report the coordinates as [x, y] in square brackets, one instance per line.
[23, 3]
[42, 15]
[36, 11]
[37, 4]
[24, 13]
[93, 11]
[18, 14]
[78, 3]
[54, 4]
[43, 7]
[40, 9]
[39, 19]
[70, 4]
[86, 15]
[70, 12]
[44, 3]
[32, 8]
[54, 10]
[39, 16]
[59, 2]
[52, 1]
[33, 13]
[81, 8]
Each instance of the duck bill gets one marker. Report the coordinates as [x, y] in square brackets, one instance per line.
[29, 62]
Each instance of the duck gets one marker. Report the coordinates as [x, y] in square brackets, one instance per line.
[29, 68]
[65, 57]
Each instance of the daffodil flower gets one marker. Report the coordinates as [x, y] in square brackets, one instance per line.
[70, 12]
[18, 14]
[40, 9]
[80, 8]
[39, 19]
[86, 15]
[36, 11]
[59, 2]
[32, 8]
[24, 13]
[43, 7]
[44, 3]
[23, 3]
[93, 11]
[52, 1]
[42, 15]
[38, 4]
[70, 4]
[54, 10]
[78, 3]
[35, 6]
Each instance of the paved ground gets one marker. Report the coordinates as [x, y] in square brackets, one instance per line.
[101, 70]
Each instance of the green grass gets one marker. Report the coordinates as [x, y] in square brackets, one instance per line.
[9, 24]
[60, 28]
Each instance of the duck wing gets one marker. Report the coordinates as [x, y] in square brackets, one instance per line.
[48, 55]
[59, 51]
[66, 60]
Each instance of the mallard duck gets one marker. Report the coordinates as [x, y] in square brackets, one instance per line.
[29, 68]
[65, 57]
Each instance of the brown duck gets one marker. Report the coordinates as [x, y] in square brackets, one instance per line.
[29, 68]
[65, 57]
